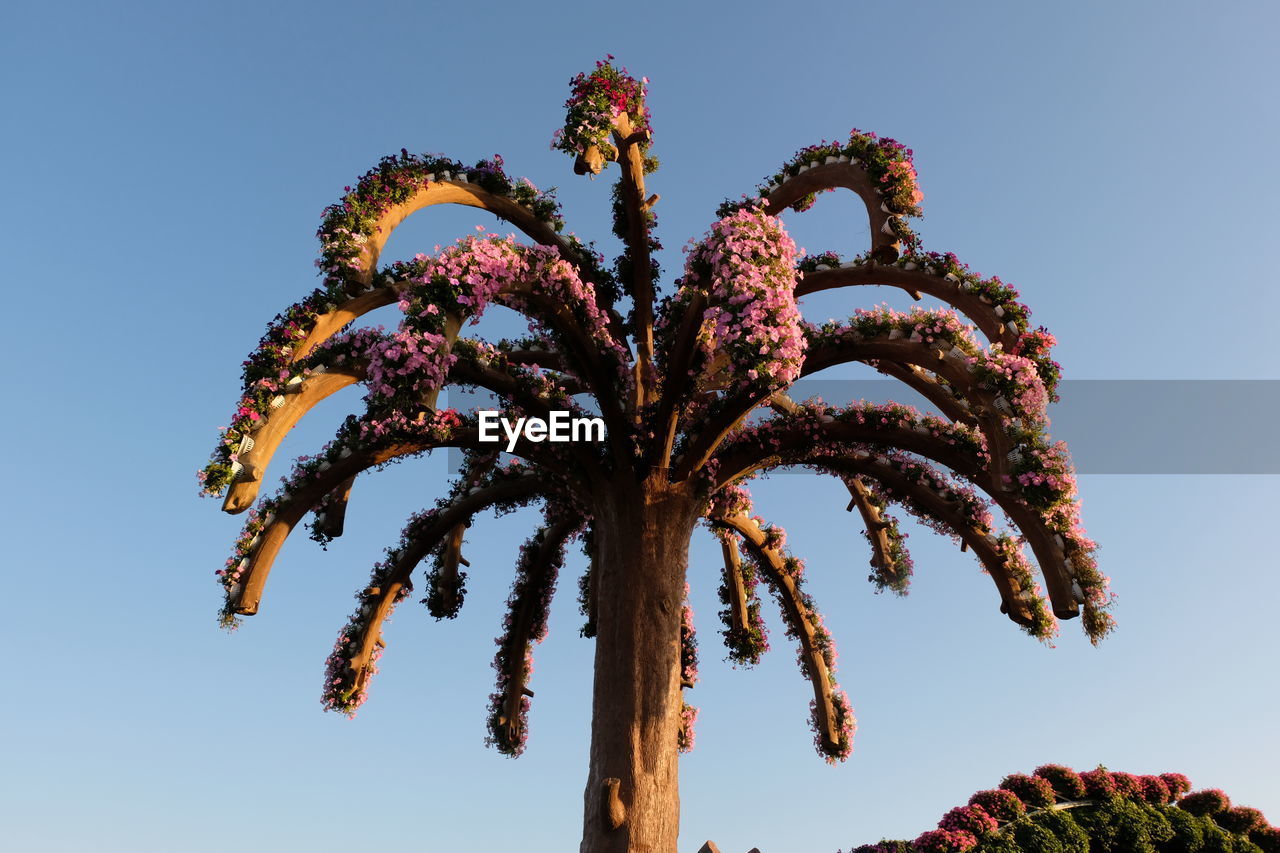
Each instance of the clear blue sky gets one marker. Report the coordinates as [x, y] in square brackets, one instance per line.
[165, 169]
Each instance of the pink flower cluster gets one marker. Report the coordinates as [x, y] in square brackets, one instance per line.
[746, 264]
[596, 99]
[686, 736]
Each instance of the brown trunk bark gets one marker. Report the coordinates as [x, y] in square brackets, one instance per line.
[632, 795]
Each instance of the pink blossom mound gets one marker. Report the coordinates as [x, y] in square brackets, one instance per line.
[751, 316]
[1032, 790]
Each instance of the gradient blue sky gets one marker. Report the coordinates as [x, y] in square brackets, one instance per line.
[165, 169]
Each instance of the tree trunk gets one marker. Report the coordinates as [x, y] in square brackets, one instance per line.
[632, 794]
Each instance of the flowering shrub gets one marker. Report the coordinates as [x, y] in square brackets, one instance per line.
[1154, 790]
[1241, 820]
[1098, 784]
[1177, 783]
[1211, 801]
[945, 841]
[999, 821]
[1000, 804]
[971, 818]
[1067, 784]
[1032, 790]
[1127, 785]
[1267, 838]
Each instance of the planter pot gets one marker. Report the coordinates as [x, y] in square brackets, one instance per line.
[910, 265]
[999, 310]
[895, 334]
[246, 444]
[277, 401]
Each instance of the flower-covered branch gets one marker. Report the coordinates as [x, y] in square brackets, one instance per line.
[525, 624]
[831, 715]
[745, 635]
[880, 170]
[353, 662]
[750, 341]
[1045, 512]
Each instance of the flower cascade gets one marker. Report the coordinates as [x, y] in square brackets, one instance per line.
[746, 268]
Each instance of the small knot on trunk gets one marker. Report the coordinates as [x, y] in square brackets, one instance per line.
[612, 811]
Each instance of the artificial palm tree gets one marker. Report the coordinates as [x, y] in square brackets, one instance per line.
[691, 392]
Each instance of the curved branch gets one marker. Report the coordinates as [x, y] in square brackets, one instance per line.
[455, 191]
[262, 445]
[352, 664]
[947, 288]
[943, 505]
[328, 378]
[803, 620]
[890, 573]
[342, 462]
[906, 360]
[812, 440]
[885, 244]
[927, 384]
[330, 519]
[941, 358]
